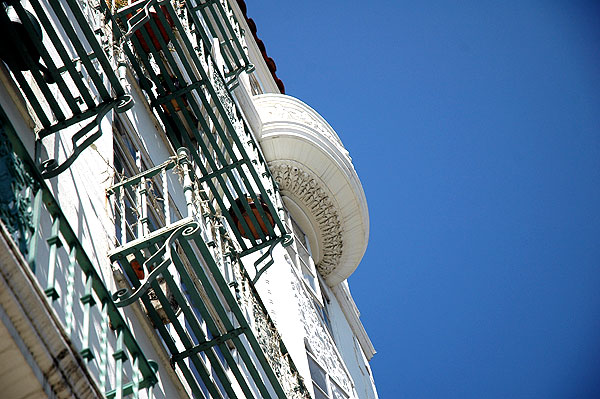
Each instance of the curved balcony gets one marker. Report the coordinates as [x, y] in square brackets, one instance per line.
[317, 181]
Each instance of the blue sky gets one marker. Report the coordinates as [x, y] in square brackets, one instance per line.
[475, 129]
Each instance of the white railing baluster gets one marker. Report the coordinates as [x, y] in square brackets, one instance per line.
[54, 242]
[123, 216]
[143, 207]
[70, 291]
[165, 184]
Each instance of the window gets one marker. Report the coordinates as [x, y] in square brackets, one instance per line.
[302, 259]
[302, 256]
[128, 162]
[319, 378]
[323, 386]
[125, 156]
[323, 310]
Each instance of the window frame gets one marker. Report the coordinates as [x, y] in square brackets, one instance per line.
[329, 381]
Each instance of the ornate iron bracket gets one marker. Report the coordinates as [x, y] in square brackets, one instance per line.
[124, 296]
[285, 241]
[50, 168]
[234, 82]
[139, 19]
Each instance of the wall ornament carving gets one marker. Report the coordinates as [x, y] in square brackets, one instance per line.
[278, 111]
[319, 339]
[315, 172]
[306, 188]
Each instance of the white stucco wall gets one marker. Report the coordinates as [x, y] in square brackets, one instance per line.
[285, 295]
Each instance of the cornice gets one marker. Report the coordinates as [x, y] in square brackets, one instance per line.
[313, 169]
[293, 110]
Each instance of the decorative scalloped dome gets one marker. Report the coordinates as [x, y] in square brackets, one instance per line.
[318, 182]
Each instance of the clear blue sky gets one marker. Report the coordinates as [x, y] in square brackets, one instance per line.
[475, 129]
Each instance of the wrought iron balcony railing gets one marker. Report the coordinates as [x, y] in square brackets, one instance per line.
[142, 203]
[220, 336]
[170, 53]
[58, 63]
[222, 24]
[187, 273]
[74, 286]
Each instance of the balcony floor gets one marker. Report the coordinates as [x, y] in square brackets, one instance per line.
[33, 347]
[17, 379]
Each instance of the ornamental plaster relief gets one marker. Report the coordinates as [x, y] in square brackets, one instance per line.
[277, 112]
[306, 187]
[311, 165]
[320, 340]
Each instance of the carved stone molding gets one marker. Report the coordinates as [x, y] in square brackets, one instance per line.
[278, 111]
[307, 188]
[315, 172]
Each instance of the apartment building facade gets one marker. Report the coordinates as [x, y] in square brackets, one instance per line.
[173, 224]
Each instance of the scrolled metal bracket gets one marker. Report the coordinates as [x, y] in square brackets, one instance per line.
[285, 241]
[124, 296]
[51, 168]
[234, 82]
[139, 18]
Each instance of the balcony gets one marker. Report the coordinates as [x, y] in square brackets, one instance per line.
[61, 74]
[179, 69]
[62, 290]
[188, 277]
[223, 25]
